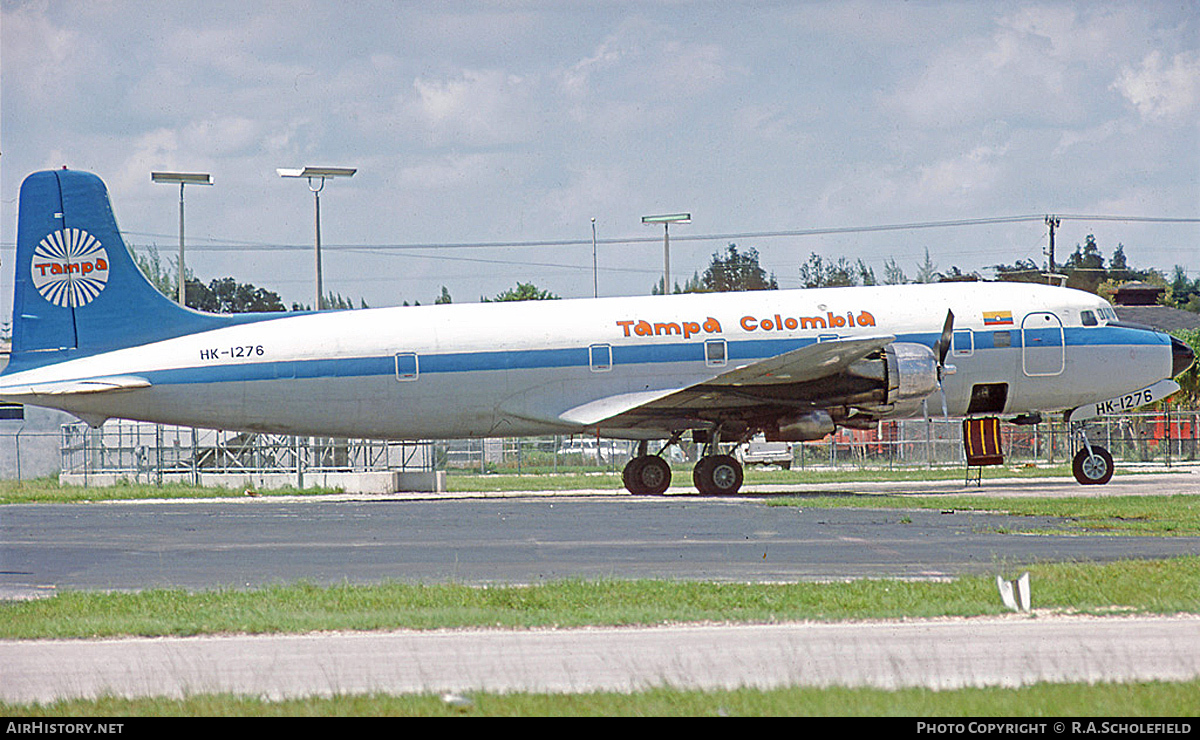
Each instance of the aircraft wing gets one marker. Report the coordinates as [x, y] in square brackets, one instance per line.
[763, 385]
[75, 387]
[807, 363]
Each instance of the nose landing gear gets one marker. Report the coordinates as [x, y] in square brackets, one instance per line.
[1093, 465]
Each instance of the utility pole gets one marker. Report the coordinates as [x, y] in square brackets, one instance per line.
[1052, 222]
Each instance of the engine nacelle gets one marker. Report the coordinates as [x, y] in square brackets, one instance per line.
[912, 372]
[803, 428]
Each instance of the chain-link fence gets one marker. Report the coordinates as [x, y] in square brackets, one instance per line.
[1164, 438]
[153, 453]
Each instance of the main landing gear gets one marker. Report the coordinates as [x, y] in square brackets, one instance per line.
[714, 475]
[646, 475]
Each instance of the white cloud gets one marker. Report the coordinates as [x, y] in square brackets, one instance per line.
[476, 108]
[1162, 91]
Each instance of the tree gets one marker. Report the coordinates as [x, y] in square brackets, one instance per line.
[1118, 266]
[221, 295]
[818, 273]
[523, 292]
[926, 271]
[226, 295]
[735, 271]
[892, 274]
[1189, 380]
[444, 298]
[151, 266]
[1184, 292]
[1021, 271]
[1086, 257]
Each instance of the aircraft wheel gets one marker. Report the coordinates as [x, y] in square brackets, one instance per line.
[648, 475]
[718, 475]
[629, 474]
[1095, 469]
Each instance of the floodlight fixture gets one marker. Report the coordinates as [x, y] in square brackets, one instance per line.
[181, 179]
[323, 172]
[316, 183]
[666, 220]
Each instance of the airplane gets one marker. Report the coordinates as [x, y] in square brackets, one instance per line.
[91, 336]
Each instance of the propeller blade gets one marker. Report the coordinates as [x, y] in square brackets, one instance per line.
[941, 349]
[946, 340]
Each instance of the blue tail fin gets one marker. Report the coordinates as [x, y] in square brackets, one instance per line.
[78, 290]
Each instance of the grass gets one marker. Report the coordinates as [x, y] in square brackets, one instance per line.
[49, 491]
[1143, 586]
[1149, 586]
[599, 479]
[1166, 515]
[1153, 699]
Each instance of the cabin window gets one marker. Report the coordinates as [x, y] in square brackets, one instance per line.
[1001, 339]
[406, 366]
[1088, 318]
[600, 357]
[714, 353]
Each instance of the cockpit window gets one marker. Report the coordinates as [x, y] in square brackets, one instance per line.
[1088, 318]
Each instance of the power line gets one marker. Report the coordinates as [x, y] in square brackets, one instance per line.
[227, 245]
[230, 245]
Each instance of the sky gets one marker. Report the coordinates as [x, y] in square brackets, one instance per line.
[488, 135]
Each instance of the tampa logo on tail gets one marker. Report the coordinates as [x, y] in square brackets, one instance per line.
[70, 268]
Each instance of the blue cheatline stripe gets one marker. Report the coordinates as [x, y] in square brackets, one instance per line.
[533, 359]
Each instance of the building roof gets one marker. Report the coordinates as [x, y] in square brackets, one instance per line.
[1163, 318]
[1137, 293]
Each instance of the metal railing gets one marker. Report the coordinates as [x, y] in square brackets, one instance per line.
[154, 453]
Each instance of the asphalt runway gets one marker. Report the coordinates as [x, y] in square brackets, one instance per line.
[530, 537]
[524, 539]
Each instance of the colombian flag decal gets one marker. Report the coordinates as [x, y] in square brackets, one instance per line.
[997, 318]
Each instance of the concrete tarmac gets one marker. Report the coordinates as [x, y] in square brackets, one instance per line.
[938, 654]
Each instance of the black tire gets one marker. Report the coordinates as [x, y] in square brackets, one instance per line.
[1095, 469]
[647, 476]
[718, 475]
[629, 475]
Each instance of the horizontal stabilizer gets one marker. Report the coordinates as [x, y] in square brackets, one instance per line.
[76, 387]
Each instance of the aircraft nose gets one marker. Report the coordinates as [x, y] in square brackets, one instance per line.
[1182, 356]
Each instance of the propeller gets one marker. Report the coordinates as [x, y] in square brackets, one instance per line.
[941, 348]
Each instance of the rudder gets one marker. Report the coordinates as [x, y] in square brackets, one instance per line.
[78, 291]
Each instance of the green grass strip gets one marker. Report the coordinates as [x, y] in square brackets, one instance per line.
[1166, 515]
[1142, 586]
[1153, 699]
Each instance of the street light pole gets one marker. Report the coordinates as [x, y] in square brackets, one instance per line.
[316, 183]
[666, 220]
[595, 280]
[182, 178]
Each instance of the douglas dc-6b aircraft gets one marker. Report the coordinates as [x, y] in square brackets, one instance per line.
[91, 336]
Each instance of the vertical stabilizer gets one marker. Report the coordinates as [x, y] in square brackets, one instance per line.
[78, 291]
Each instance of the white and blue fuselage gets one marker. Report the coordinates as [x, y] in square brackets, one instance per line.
[92, 337]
